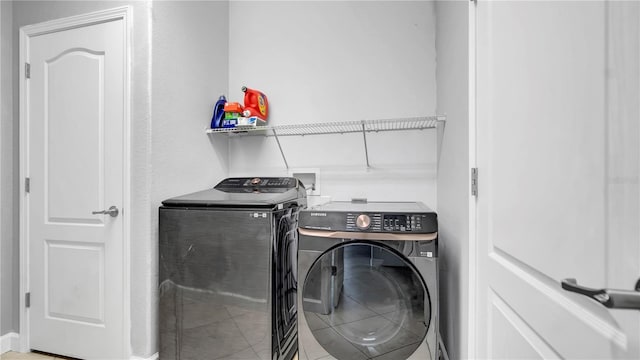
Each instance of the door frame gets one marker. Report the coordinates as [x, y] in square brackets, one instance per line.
[123, 13]
[472, 327]
[4, 344]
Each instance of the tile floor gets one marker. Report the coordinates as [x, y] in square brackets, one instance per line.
[34, 356]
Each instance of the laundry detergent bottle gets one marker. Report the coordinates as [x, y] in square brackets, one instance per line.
[255, 104]
[218, 112]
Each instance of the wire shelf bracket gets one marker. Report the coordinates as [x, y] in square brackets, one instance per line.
[284, 158]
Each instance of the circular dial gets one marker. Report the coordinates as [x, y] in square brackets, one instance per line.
[363, 221]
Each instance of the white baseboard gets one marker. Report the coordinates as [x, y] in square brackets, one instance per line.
[152, 357]
[9, 342]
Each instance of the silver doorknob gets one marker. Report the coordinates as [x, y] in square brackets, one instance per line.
[113, 212]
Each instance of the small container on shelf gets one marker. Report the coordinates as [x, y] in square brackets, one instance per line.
[218, 112]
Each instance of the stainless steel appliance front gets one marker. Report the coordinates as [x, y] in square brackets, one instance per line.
[370, 292]
[227, 277]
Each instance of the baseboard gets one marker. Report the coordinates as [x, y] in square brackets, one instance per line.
[152, 357]
[9, 342]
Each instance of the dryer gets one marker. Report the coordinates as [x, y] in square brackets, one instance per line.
[227, 276]
[368, 281]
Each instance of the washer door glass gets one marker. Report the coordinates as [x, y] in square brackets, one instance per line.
[362, 300]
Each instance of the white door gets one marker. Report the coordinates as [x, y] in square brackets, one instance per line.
[75, 112]
[558, 154]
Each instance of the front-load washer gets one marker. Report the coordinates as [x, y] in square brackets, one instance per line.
[368, 281]
[227, 276]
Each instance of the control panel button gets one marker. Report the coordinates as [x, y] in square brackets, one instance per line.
[363, 221]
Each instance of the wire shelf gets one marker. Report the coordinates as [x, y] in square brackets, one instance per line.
[362, 126]
[413, 123]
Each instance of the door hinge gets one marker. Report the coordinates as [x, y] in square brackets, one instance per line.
[27, 70]
[474, 181]
[27, 299]
[27, 185]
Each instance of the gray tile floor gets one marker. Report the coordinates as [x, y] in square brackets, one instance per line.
[35, 356]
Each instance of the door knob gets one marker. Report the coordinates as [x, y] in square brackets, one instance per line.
[611, 298]
[113, 212]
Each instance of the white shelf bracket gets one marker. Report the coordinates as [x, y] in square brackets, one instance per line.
[284, 158]
[366, 150]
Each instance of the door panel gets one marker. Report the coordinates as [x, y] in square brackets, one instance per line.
[74, 290]
[623, 167]
[75, 115]
[74, 105]
[558, 159]
[539, 76]
[510, 332]
[544, 307]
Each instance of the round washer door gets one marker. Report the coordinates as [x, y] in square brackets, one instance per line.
[362, 300]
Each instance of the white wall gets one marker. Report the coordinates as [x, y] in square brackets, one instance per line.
[339, 61]
[190, 71]
[452, 45]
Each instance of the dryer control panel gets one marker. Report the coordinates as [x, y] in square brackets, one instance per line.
[371, 217]
[378, 222]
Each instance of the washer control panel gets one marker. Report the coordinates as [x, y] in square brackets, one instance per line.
[378, 222]
[257, 185]
[256, 182]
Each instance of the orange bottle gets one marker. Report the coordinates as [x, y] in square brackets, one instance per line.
[255, 104]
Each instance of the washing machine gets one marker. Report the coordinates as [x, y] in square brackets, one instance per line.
[368, 281]
[227, 276]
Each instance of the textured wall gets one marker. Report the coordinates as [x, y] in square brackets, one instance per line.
[339, 61]
[452, 45]
[8, 248]
[190, 67]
